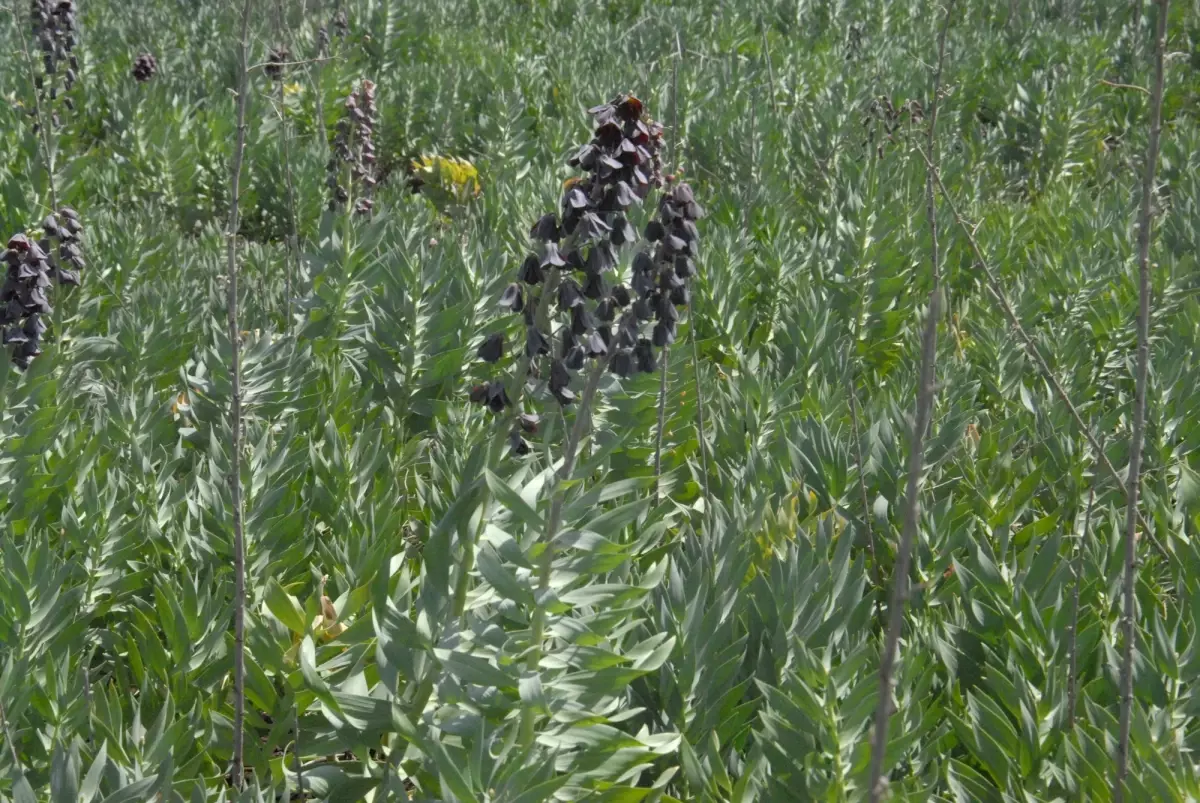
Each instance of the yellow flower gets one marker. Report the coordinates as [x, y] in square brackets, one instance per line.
[447, 181]
[293, 88]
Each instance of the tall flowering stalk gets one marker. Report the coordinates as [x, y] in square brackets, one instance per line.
[53, 23]
[351, 166]
[578, 309]
[570, 274]
[32, 269]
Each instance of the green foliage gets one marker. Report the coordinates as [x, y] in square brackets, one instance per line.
[697, 649]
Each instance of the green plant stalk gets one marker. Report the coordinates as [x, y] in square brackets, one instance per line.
[8, 737]
[700, 428]
[852, 395]
[673, 146]
[296, 752]
[553, 522]
[293, 244]
[315, 75]
[876, 783]
[348, 220]
[770, 70]
[515, 390]
[235, 411]
[1073, 628]
[662, 410]
[1137, 437]
[44, 139]
[285, 146]
[468, 559]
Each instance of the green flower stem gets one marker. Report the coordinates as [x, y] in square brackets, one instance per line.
[235, 412]
[553, 522]
[662, 411]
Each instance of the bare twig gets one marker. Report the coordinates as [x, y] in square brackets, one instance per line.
[1139, 406]
[1116, 85]
[876, 784]
[303, 62]
[235, 409]
[997, 291]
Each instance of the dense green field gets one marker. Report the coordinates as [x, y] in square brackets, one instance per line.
[574, 622]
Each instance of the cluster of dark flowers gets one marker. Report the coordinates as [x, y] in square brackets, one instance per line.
[354, 146]
[54, 28]
[145, 66]
[32, 269]
[277, 59]
[885, 115]
[575, 259]
[854, 40]
[322, 42]
[341, 25]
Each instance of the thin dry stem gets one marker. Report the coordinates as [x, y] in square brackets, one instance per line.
[235, 410]
[876, 783]
[1139, 406]
[1116, 85]
[301, 63]
[997, 291]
